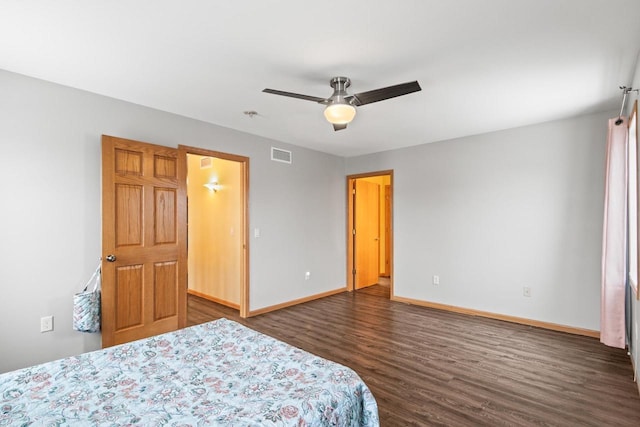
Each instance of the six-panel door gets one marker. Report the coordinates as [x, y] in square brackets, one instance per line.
[141, 294]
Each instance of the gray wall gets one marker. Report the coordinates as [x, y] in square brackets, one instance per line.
[50, 221]
[493, 213]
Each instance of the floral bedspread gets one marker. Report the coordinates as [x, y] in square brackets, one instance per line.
[217, 373]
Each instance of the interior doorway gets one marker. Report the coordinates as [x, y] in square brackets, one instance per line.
[145, 267]
[217, 220]
[369, 230]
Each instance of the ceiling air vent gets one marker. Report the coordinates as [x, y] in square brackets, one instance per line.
[280, 155]
[206, 162]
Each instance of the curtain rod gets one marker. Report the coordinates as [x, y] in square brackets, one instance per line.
[625, 92]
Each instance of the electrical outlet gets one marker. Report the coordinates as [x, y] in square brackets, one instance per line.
[436, 280]
[307, 275]
[46, 324]
[526, 291]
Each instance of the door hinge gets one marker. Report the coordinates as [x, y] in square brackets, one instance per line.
[353, 191]
[353, 272]
[354, 231]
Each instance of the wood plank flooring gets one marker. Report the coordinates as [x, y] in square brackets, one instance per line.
[430, 367]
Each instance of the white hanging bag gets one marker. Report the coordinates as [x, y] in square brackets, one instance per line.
[86, 306]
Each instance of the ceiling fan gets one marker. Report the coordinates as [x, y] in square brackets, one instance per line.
[341, 107]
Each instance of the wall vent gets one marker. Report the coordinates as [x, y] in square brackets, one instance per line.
[280, 155]
[206, 162]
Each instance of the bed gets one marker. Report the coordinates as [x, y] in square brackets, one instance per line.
[217, 373]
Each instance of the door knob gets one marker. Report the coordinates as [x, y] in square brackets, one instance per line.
[111, 258]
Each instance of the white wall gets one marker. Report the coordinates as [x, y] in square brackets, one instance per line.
[50, 225]
[493, 213]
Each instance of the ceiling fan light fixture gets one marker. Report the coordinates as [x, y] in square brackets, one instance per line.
[340, 113]
[341, 106]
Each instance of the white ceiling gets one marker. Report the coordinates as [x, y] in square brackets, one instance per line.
[483, 65]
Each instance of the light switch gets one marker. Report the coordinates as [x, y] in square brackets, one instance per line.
[46, 324]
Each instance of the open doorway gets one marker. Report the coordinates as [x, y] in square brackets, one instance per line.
[370, 231]
[217, 252]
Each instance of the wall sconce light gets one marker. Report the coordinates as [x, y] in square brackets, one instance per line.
[212, 186]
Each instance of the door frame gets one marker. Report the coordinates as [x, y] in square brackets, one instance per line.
[183, 230]
[350, 226]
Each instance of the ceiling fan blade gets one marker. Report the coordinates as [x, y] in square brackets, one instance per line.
[295, 95]
[385, 93]
[339, 127]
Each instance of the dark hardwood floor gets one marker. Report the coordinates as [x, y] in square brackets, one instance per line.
[430, 367]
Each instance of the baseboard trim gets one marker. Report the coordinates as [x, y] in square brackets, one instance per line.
[512, 319]
[295, 302]
[214, 299]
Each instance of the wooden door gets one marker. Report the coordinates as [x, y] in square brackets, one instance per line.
[142, 208]
[387, 231]
[366, 239]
